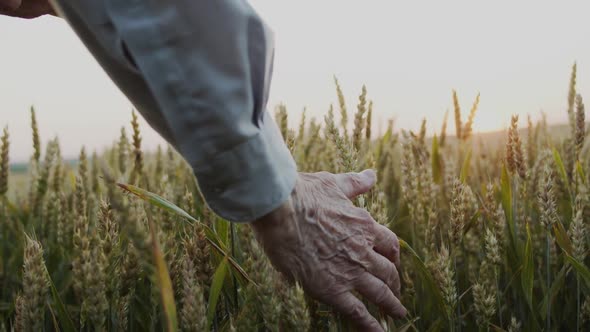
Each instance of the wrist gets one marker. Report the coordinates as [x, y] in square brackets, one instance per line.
[275, 219]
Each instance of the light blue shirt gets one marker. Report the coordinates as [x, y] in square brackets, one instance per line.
[199, 72]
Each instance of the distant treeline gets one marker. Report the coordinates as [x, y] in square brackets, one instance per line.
[23, 167]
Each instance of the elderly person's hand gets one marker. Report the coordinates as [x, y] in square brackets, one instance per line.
[25, 8]
[320, 239]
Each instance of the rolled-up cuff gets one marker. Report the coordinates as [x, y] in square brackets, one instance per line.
[250, 180]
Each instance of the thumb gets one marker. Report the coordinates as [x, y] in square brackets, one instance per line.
[354, 184]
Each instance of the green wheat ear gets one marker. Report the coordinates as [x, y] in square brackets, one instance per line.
[35, 287]
[342, 106]
[359, 119]
[492, 236]
[138, 169]
[123, 149]
[457, 108]
[571, 98]
[369, 121]
[443, 130]
[4, 162]
[36, 140]
[468, 129]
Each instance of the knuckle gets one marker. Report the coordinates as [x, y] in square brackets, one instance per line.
[319, 294]
[395, 244]
[356, 310]
[363, 215]
[380, 265]
[383, 294]
[392, 276]
[382, 298]
[327, 178]
[355, 180]
[390, 236]
[364, 258]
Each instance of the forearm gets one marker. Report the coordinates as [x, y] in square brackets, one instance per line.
[204, 92]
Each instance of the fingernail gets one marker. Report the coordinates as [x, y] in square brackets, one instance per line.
[370, 174]
[402, 312]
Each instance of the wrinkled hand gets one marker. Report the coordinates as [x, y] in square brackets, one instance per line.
[332, 248]
[25, 8]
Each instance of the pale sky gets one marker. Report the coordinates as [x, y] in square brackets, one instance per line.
[410, 54]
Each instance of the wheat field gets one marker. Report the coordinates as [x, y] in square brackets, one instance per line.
[494, 236]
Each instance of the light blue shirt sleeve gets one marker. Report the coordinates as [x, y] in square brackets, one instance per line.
[199, 72]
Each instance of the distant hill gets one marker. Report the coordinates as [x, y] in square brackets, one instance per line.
[495, 139]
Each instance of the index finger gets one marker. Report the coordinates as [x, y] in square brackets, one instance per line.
[355, 310]
[387, 244]
[380, 294]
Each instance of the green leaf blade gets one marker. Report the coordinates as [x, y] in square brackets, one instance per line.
[215, 291]
[64, 317]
